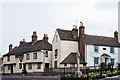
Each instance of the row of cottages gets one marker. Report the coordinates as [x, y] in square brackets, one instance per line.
[93, 49]
[36, 55]
[32, 56]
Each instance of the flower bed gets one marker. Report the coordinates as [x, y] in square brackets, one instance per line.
[92, 75]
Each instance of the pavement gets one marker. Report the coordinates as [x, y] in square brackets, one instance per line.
[13, 77]
[20, 77]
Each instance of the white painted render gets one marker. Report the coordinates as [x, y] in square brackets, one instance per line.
[90, 54]
[40, 58]
[65, 47]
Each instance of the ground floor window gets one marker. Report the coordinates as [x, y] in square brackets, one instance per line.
[30, 66]
[65, 64]
[9, 67]
[96, 60]
[55, 64]
[113, 61]
[46, 65]
[39, 66]
[20, 65]
[72, 65]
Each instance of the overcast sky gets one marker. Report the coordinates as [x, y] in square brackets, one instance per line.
[19, 18]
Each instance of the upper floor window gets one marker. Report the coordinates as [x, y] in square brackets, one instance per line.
[113, 61]
[46, 54]
[20, 58]
[104, 48]
[8, 58]
[96, 60]
[27, 56]
[56, 53]
[56, 38]
[35, 56]
[111, 49]
[72, 65]
[30, 66]
[20, 65]
[96, 48]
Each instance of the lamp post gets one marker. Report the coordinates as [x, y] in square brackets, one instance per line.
[78, 72]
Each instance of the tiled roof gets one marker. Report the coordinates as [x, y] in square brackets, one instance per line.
[100, 40]
[66, 35]
[71, 58]
[29, 47]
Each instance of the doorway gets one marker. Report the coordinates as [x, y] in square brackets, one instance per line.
[24, 66]
[11, 68]
[46, 65]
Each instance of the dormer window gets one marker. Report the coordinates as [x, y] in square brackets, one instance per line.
[96, 48]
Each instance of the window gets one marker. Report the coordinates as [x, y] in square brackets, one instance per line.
[27, 56]
[113, 61]
[20, 65]
[20, 58]
[56, 53]
[35, 56]
[104, 48]
[72, 65]
[8, 58]
[55, 64]
[95, 48]
[46, 54]
[96, 60]
[30, 66]
[111, 49]
[9, 67]
[39, 66]
[56, 38]
[65, 64]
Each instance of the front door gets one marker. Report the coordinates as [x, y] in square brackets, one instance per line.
[11, 69]
[106, 59]
[24, 66]
[46, 65]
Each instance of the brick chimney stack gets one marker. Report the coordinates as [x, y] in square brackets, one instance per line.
[45, 37]
[10, 47]
[34, 37]
[75, 32]
[81, 29]
[116, 35]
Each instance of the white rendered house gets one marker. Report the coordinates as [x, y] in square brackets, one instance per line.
[64, 45]
[32, 56]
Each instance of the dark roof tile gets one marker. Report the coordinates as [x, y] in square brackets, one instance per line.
[71, 58]
[29, 47]
[66, 35]
[100, 40]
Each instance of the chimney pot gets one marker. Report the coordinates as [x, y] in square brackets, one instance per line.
[81, 24]
[74, 27]
[75, 32]
[10, 47]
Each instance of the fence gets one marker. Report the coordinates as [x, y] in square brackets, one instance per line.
[71, 70]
